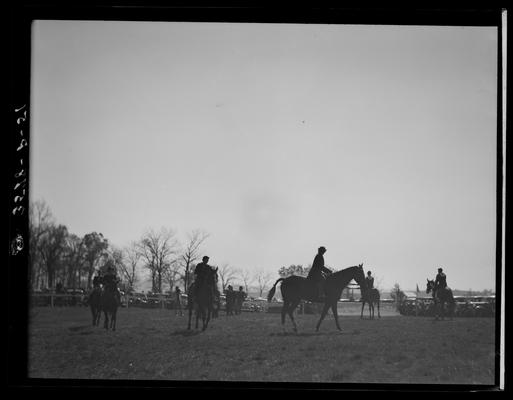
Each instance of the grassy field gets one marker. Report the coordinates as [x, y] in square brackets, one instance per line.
[154, 344]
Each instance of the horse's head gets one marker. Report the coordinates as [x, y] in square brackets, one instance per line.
[429, 285]
[359, 276]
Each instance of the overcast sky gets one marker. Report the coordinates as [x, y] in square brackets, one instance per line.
[377, 142]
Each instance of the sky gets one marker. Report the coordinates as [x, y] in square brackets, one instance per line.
[377, 142]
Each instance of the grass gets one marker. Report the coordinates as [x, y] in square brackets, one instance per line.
[154, 344]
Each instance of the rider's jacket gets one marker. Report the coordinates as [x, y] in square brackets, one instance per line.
[440, 280]
[317, 268]
[369, 280]
[110, 282]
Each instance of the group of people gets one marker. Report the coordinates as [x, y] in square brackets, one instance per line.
[234, 299]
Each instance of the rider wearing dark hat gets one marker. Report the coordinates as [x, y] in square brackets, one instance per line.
[316, 272]
[440, 280]
[201, 268]
[200, 272]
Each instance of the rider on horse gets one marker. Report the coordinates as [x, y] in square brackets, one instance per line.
[369, 280]
[97, 280]
[110, 282]
[315, 276]
[201, 271]
[440, 280]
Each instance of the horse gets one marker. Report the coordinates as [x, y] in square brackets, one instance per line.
[296, 288]
[371, 297]
[441, 298]
[109, 302]
[95, 303]
[201, 297]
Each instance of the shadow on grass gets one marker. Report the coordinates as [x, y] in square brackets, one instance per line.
[308, 334]
[186, 332]
[79, 328]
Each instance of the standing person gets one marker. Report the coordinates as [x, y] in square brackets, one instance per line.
[241, 296]
[315, 275]
[178, 300]
[230, 299]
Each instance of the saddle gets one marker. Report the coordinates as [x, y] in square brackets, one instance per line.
[316, 291]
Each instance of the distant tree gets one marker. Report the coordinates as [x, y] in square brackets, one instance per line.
[397, 294]
[75, 260]
[173, 274]
[96, 246]
[191, 253]
[227, 274]
[40, 221]
[246, 277]
[263, 279]
[129, 269]
[53, 246]
[297, 270]
[158, 250]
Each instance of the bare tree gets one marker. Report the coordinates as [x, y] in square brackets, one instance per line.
[40, 221]
[53, 245]
[227, 274]
[246, 276]
[158, 250]
[263, 279]
[191, 253]
[129, 269]
[75, 260]
[173, 274]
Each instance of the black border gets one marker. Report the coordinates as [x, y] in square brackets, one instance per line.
[21, 16]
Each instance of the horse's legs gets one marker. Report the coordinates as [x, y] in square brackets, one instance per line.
[190, 317]
[334, 308]
[363, 306]
[284, 312]
[106, 321]
[323, 314]
[206, 320]
[371, 309]
[113, 320]
[379, 315]
[292, 307]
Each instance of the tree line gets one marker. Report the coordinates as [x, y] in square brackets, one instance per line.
[57, 255]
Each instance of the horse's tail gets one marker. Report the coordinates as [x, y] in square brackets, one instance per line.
[273, 290]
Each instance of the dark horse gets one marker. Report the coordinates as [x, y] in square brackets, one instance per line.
[441, 298]
[297, 288]
[371, 297]
[109, 303]
[95, 303]
[201, 298]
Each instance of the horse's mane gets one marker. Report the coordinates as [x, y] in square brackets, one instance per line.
[339, 272]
